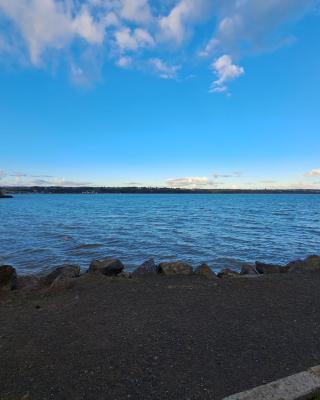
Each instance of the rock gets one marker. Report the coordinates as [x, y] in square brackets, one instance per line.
[310, 264]
[175, 268]
[28, 282]
[205, 271]
[62, 283]
[147, 268]
[65, 271]
[228, 273]
[87, 279]
[267, 268]
[125, 275]
[248, 269]
[109, 266]
[8, 278]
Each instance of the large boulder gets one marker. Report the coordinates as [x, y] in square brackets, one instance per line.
[263, 268]
[175, 268]
[109, 267]
[8, 278]
[63, 272]
[62, 283]
[149, 267]
[28, 282]
[310, 264]
[228, 273]
[248, 269]
[205, 271]
[126, 275]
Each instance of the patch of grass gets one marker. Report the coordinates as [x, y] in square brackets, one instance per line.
[316, 397]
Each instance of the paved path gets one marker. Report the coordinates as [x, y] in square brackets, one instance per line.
[166, 338]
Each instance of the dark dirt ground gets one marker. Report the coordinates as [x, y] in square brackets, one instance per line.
[160, 338]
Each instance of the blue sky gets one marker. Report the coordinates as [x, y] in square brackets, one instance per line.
[182, 93]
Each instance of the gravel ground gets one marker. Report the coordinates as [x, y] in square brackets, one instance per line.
[158, 338]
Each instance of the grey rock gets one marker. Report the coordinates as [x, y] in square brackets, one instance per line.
[62, 283]
[248, 269]
[108, 266]
[228, 273]
[263, 268]
[205, 271]
[310, 264]
[8, 278]
[65, 271]
[29, 282]
[125, 275]
[175, 268]
[147, 268]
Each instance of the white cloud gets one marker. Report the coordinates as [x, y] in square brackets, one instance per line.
[164, 70]
[136, 10]
[124, 61]
[48, 24]
[57, 182]
[27, 179]
[116, 27]
[235, 174]
[295, 185]
[190, 181]
[187, 12]
[209, 48]
[85, 26]
[313, 172]
[226, 71]
[251, 25]
[132, 40]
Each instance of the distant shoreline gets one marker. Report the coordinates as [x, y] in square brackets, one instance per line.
[146, 190]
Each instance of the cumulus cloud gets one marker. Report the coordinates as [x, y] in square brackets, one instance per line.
[182, 16]
[124, 61]
[2, 174]
[226, 71]
[131, 32]
[164, 70]
[295, 185]
[133, 184]
[190, 181]
[48, 24]
[313, 172]
[138, 11]
[132, 40]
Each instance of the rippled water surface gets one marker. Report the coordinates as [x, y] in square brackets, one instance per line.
[42, 231]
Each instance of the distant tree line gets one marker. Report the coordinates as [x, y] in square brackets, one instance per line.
[146, 190]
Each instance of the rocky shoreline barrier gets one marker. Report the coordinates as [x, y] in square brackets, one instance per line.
[67, 275]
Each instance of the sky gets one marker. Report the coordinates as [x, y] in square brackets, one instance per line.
[177, 93]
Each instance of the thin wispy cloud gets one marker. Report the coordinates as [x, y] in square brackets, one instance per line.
[26, 179]
[313, 173]
[164, 70]
[236, 174]
[57, 182]
[136, 33]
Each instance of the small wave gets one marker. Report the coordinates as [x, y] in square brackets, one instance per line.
[33, 250]
[62, 236]
[88, 246]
